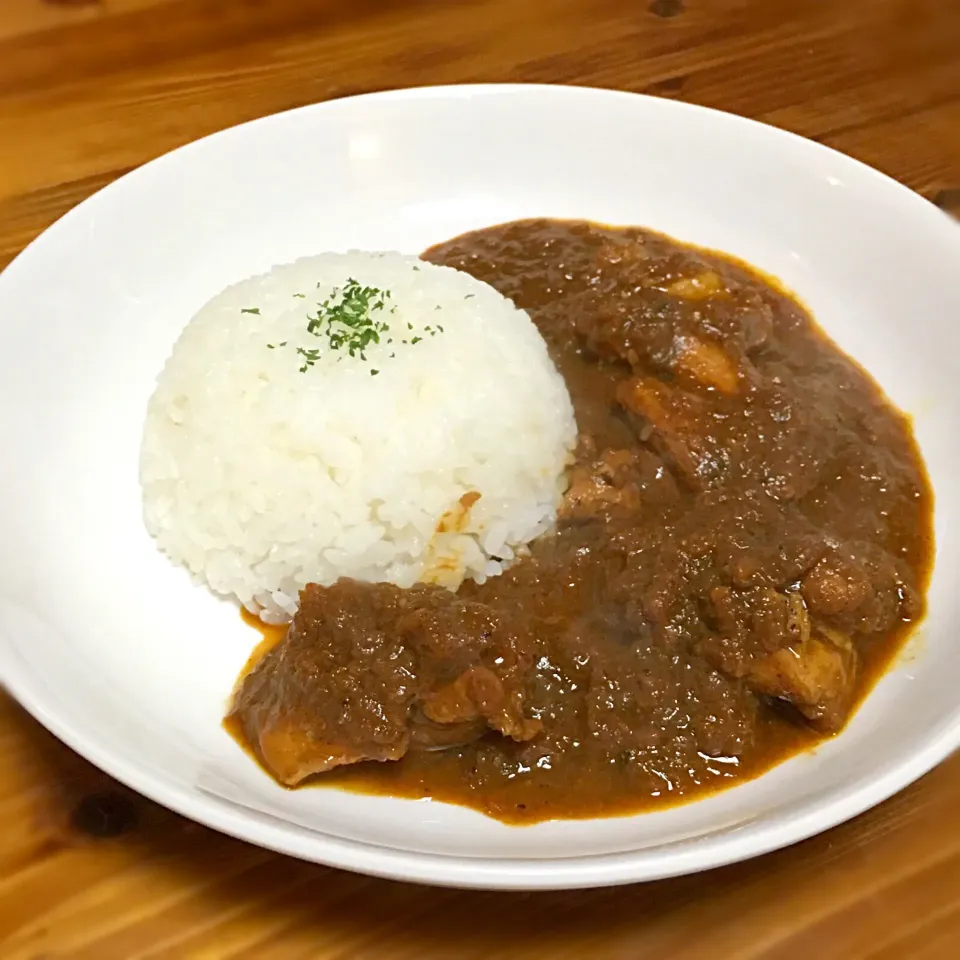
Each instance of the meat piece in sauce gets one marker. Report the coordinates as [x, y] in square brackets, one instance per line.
[678, 315]
[860, 590]
[368, 672]
[752, 624]
[675, 423]
[706, 364]
[605, 485]
[766, 637]
[817, 676]
[836, 587]
[769, 545]
[615, 483]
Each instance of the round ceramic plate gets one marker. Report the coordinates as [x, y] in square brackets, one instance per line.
[117, 653]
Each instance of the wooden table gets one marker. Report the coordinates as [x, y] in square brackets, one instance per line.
[90, 89]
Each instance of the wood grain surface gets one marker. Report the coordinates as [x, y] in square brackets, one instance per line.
[90, 89]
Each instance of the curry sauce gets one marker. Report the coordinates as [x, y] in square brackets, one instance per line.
[744, 546]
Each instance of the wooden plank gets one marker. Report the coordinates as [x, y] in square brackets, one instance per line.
[20, 19]
[89, 870]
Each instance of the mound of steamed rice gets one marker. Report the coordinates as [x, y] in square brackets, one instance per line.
[434, 456]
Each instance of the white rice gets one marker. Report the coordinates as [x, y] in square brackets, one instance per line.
[260, 477]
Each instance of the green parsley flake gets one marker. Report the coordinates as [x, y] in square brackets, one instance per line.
[255, 310]
[348, 322]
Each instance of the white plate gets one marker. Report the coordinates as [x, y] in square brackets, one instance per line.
[114, 651]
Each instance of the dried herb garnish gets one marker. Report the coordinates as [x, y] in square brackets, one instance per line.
[348, 322]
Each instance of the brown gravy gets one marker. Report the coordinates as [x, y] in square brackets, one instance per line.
[744, 548]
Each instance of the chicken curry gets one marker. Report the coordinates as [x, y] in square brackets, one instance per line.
[744, 545]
